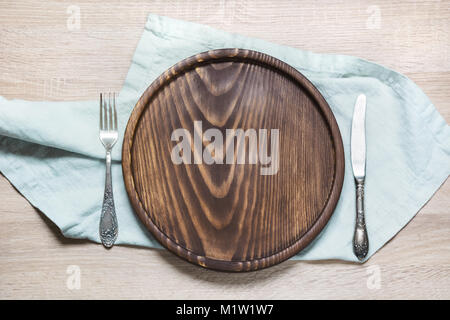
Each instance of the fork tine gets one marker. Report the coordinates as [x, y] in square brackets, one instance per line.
[110, 112]
[115, 111]
[101, 112]
[105, 115]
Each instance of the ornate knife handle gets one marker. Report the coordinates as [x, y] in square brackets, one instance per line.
[108, 219]
[360, 239]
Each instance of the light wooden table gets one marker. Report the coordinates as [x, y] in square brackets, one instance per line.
[45, 56]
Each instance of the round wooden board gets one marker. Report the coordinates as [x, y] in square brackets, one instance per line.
[233, 216]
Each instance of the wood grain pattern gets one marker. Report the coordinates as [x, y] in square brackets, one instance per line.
[228, 216]
[35, 46]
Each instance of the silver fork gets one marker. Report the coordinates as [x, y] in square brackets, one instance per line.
[108, 136]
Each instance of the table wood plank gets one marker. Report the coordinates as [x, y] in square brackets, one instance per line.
[41, 58]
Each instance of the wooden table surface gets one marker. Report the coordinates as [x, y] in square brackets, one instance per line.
[64, 50]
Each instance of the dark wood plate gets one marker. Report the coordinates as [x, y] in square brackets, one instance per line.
[234, 216]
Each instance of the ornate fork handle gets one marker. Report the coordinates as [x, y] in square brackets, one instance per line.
[360, 239]
[108, 219]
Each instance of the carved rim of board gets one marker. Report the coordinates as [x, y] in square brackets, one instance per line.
[228, 55]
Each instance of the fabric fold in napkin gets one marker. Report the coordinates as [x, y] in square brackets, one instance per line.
[50, 151]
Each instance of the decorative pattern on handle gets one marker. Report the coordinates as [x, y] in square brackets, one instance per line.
[360, 239]
[108, 220]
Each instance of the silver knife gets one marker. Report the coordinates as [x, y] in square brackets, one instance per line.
[358, 155]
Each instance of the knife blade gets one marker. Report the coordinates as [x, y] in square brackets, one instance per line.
[358, 142]
[358, 158]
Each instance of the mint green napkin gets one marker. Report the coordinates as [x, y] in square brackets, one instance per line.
[51, 153]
